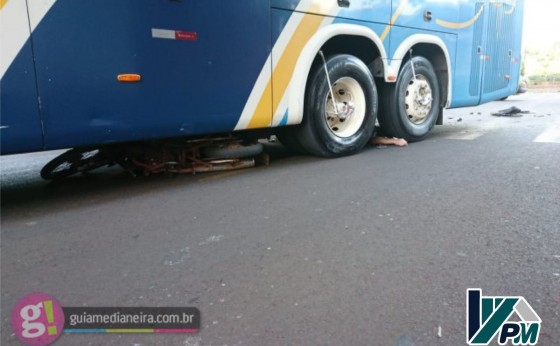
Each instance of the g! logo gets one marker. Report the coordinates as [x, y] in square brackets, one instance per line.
[29, 314]
[37, 319]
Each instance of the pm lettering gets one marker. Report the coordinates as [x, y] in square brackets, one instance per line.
[519, 333]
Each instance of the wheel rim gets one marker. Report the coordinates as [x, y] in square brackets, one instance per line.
[346, 114]
[418, 100]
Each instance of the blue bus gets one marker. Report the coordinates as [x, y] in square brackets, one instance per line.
[318, 73]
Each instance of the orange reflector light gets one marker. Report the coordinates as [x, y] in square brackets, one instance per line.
[129, 77]
[391, 78]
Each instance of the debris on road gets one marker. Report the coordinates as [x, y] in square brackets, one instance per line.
[510, 112]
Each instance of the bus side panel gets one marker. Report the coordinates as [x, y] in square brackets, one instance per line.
[425, 14]
[489, 52]
[378, 11]
[198, 59]
[467, 84]
[20, 122]
[503, 50]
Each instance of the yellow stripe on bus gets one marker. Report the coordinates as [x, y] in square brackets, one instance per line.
[261, 116]
[451, 25]
[394, 18]
[283, 72]
[285, 69]
[2, 3]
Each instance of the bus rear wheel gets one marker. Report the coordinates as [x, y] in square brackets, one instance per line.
[340, 118]
[410, 107]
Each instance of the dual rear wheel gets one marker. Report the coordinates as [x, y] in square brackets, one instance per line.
[341, 109]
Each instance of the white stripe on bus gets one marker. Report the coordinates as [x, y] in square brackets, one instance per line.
[13, 15]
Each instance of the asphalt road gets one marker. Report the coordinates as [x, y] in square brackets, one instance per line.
[374, 249]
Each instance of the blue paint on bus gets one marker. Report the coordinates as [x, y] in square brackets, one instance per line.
[61, 91]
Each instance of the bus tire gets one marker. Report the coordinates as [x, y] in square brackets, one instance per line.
[288, 137]
[410, 107]
[323, 132]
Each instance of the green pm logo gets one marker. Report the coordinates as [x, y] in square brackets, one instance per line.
[490, 316]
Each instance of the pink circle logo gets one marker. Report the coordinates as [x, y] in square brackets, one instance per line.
[37, 319]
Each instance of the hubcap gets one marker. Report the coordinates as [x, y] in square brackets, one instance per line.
[346, 113]
[418, 100]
